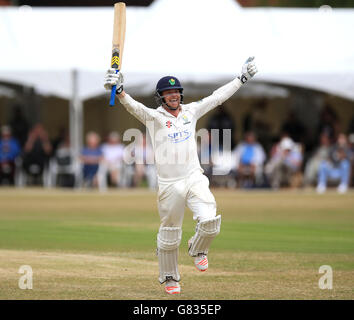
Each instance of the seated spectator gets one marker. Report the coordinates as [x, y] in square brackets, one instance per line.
[336, 167]
[37, 151]
[218, 160]
[284, 164]
[62, 164]
[313, 164]
[91, 156]
[223, 174]
[113, 152]
[62, 135]
[249, 157]
[9, 151]
[63, 152]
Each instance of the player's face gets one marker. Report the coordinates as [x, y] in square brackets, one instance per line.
[172, 98]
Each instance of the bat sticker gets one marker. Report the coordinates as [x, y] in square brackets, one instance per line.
[115, 62]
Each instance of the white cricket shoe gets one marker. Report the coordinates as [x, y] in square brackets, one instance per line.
[342, 188]
[321, 188]
[172, 287]
[201, 262]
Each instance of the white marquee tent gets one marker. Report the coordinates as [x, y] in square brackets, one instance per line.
[203, 42]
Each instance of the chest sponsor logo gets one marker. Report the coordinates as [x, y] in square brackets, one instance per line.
[185, 119]
[168, 124]
[180, 136]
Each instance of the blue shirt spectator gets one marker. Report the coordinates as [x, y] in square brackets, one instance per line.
[91, 164]
[337, 167]
[249, 152]
[249, 158]
[247, 155]
[91, 156]
[9, 151]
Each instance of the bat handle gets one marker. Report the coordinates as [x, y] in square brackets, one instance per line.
[113, 93]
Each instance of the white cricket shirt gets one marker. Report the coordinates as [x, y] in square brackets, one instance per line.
[173, 138]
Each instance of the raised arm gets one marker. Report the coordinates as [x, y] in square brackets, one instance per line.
[220, 95]
[137, 109]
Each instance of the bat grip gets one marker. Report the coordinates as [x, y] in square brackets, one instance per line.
[113, 93]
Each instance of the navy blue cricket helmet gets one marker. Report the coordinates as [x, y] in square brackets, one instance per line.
[167, 83]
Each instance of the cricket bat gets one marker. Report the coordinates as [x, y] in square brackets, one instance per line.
[117, 42]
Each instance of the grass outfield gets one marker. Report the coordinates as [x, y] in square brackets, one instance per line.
[86, 245]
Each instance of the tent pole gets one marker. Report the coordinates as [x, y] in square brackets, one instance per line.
[76, 126]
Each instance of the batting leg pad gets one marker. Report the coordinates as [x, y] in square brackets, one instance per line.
[206, 231]
[168, 241]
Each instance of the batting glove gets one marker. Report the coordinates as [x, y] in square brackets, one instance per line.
[113, 79]
[249, 69]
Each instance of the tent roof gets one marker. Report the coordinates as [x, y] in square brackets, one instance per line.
[201, 42]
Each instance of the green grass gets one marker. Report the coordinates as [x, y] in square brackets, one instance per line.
[270, 246]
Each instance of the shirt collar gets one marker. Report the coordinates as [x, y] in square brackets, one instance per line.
[163, 110]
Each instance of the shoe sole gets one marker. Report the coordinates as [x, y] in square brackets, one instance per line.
[200, 269]
[173, 292]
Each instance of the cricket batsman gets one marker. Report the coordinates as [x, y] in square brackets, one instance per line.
[181, 180]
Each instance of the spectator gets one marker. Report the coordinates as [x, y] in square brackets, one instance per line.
[336, 167]
[113, 152]
[249, 157]
[223, 174]
[37, 151]
[91, 157]
[217, 161]
[9, 151]
[62, 165]
[144, 163]
[285, 163]
[320, 154]
[63, 151]
[61, 137]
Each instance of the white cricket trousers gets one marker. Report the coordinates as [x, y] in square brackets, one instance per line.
[192, 191]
